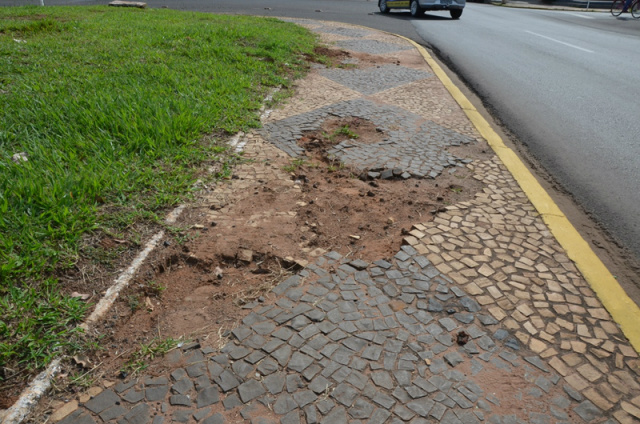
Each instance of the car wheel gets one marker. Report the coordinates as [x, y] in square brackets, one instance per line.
[415, 9]
[456, 13]
[382, 4]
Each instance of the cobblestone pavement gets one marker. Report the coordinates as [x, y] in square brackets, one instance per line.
[480, 317]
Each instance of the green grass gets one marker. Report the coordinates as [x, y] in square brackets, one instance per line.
[111, 106]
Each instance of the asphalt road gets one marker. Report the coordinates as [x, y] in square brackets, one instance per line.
[562, 82]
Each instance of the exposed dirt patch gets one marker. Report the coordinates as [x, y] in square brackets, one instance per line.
[334, 131]
[335, 58]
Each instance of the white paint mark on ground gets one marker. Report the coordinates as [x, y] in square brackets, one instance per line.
[560, 42]
[581, 15]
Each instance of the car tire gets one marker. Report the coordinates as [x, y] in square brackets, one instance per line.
[382, 5]
[456, 13]
[415, 9]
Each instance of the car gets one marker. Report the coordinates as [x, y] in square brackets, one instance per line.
[418, 7]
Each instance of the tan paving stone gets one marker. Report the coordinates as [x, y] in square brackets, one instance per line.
[624, 418]
[631, 409]
[473, 289]
[486, 270]
[65, 410]
[583, 330]
[444, 268]
[610, 327]
[628, 351]
[597, 399]
[547, 337]
[518, 316]
[529, 327]
[538, 346]
[497, 313]
[546, 313]
[560, 367]
[619, 361]
[494, 292]
[601, 353]
[572, 359]
[589, 372]
[469, 273]
[511, 324]
[556, 297]
[525, 309]
[579, 310]
[565, 324]
[485, 300]
[608, 392]
[599, 313]
[618, 384]
[523, 337]
[579, 347]
[627, 379]
[577, 382]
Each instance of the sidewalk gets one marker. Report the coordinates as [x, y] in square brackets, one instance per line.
[479, 317]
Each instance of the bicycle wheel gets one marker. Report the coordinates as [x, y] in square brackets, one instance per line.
[635, 9]
[616, 7]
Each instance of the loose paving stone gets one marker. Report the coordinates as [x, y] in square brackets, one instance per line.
[180, 400]
[140, 414]
[382, 379]
[133, 396]
[338, 415]
[284, 404]
[345, 394]
[217, 418]
[207, 396]
[202, 413]
[453, 358]
[231, 401]
[113, 412]
[104, 400]
[250, 390]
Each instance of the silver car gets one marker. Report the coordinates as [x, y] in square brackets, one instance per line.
[418, 7]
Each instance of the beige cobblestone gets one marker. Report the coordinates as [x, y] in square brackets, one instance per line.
[597, 399]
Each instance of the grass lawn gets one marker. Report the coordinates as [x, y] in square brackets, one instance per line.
[110, 107]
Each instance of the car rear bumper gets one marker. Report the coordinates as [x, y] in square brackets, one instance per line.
[442, 4]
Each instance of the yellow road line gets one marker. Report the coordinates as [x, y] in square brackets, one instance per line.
[623, 310]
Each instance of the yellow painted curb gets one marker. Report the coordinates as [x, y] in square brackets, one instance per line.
[623, 310]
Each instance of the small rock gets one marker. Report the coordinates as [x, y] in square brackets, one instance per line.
[218, 272]
[20, 157]
[245, 255]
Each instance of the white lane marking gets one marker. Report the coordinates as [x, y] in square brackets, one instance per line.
[580, 15]
[560, 42]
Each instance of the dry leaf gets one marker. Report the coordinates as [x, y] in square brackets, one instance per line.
[81, 296]
[82, 360]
